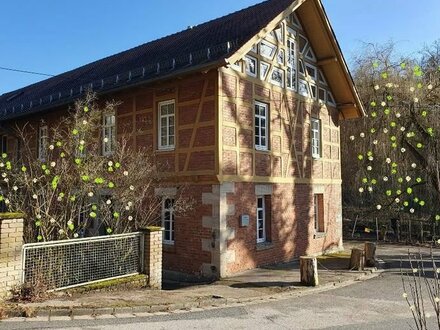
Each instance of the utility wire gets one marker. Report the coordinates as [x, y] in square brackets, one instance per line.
[29, 72]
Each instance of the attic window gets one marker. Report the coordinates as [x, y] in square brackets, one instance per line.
[311, 71]
[301, 67]
[321, 78]
[310, 55]
[264, 69]
[267, 49]
[321, 95]
[330, 99]
[251, 65]
[302, 43]
[295, 21]
[13, 96]
[303, 88]
[277, 77]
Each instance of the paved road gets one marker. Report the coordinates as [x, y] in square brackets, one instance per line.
[373, 304]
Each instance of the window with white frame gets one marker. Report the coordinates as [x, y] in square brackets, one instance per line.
[261, 126]
[43, 139]
[250, 65]
[261, 220]
[291, 65]
[316, 137]
[108, 134]
[168, 220]
[166, 125]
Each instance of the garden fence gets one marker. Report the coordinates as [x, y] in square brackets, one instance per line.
[70, 263]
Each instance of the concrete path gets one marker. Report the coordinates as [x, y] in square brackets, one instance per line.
[252, 286]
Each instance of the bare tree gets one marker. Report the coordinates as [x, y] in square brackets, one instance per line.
[76, 191]
[391, 158]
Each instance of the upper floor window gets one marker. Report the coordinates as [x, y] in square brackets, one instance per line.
[108, 134]
[168, 220]
[43, 139]
[261, 125]
[291, 65]
[166, 125]
[316, 137]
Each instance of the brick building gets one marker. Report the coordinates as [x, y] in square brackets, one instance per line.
[245, 109]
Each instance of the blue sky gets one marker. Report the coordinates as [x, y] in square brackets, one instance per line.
[53, 36]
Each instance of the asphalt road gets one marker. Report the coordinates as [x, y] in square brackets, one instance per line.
[373, 304]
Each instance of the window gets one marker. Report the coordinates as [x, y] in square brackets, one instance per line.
[311, 71]
[166, 125]
[43, 139]
[267, 49]
[318, 203]
[264, 69]
[303, 88]
[322, 93]
[330, 99]
[168, 220]
[251, 65]
[261, 220]
[277, 77]
[108, 134]
[316, 138]
[261, 118]
[291, 65]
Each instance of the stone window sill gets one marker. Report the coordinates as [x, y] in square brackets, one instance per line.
[264, 246]
[320, 235]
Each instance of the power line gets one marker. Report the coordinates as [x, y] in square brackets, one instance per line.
[29, 72]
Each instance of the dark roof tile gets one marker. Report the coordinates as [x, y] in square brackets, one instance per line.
[222, 36]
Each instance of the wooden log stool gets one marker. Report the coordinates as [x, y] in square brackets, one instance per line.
[309, 271]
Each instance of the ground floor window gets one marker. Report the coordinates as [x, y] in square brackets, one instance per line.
[264, 219]
[168, 220]
[318, 203]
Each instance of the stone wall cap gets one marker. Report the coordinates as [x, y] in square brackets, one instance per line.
[152, 228]
[11, 215]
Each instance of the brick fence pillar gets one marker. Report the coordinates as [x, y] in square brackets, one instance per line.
[11, 242]
[153, 256]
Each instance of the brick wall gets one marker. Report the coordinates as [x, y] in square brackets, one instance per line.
[292, 233]
[11, 241]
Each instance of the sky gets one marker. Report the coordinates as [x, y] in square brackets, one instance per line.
[52, 36]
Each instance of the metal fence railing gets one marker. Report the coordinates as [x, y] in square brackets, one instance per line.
[70, 263]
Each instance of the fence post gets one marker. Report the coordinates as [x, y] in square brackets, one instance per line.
[11, 242]
[153, 256]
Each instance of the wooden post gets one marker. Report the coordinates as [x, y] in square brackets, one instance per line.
[370, 254]
[309, 271]
[357, 259]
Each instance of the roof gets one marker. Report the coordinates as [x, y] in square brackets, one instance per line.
[201, 45]
[211, 44]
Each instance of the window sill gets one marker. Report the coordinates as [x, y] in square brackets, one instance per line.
[264, 246]
[319, 235]
[163, 149]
